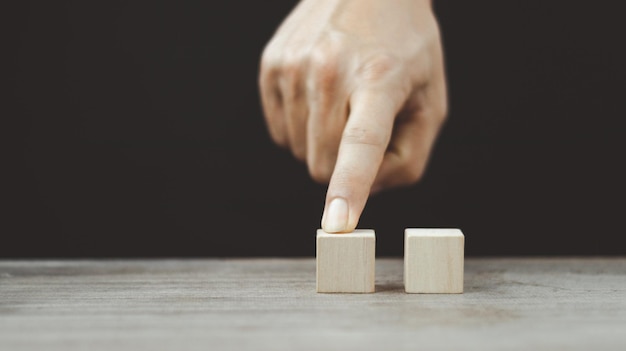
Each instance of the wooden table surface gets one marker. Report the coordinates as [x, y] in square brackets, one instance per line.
[271, 304]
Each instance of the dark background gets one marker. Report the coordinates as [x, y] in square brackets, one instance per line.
[135, 129]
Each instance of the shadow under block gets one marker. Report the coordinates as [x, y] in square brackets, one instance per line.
[433, 261]
[345, 262]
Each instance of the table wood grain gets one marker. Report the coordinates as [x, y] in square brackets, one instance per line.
[271, 304]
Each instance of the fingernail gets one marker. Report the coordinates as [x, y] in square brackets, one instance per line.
[336, 219]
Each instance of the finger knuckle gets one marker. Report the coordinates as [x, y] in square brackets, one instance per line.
[441, 110]
[440, 118]
[278, 138]
[442, 113]
[269, 58]
[324, 68]
[320, 172]
[412, 173]
[292, 62]
[434, 117]
[267, 71]
[379, 66]
[299, 151]
[363, 136]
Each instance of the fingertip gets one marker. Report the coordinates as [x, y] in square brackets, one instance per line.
[335, 219]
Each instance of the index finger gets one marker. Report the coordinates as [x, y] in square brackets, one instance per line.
[363, 145]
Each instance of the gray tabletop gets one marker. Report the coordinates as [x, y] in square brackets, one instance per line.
[271, 304]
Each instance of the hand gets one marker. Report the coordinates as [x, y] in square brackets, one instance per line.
[356, 89]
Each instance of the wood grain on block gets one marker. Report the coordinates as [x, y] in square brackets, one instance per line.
[345, 262]
[433, 260]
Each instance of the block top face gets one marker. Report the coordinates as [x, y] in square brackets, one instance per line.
[433, 232]
[357, 233]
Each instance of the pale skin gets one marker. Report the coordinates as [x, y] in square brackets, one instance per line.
[356, 90]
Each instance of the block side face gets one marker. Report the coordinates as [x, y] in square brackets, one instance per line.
[328, 268]
[412, 265]
[345, 264]
[406, 262]
[319, 262]
[434, 264]
[451, 253]
[370, 265]
[459, 266]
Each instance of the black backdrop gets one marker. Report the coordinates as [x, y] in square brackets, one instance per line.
[135, 130]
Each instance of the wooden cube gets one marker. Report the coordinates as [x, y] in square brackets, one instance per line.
[433, 261]
[345, 262]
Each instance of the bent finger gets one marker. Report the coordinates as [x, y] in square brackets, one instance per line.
[363, 144]
[271, 101]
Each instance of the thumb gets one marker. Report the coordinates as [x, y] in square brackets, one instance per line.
[363, 145]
